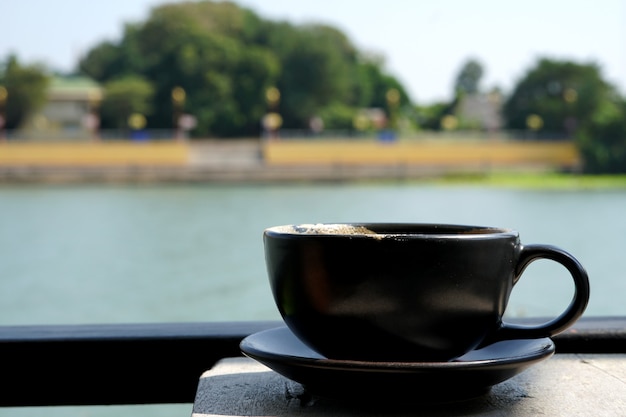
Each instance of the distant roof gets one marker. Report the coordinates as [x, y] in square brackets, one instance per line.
[74, 88]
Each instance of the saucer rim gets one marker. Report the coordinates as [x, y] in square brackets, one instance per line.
[248, 349]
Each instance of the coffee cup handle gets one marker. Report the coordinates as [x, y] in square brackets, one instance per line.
[577, 306]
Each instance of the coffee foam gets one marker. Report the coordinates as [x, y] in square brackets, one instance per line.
[325, 229]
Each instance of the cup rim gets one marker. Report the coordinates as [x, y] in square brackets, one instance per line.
[378, 230]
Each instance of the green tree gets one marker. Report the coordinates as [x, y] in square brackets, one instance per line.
[123, 97]
[430, 117]
[226, 57]
[201, 47]
[468, 79]
[102, 62]
[564, 95]
[315, 72]
[26, 87]
[374, 88]
[602, 142]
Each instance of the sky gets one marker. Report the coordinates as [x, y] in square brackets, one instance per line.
[424, 43]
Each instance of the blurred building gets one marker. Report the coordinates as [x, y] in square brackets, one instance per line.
[71, 111]
[482, 111]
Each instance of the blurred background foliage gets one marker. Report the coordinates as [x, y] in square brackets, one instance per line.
[26, 85]
[222, 60]
[226, 58]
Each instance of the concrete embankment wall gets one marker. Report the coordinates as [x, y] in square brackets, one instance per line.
[276, 160]
[86, 154]
[463, 153]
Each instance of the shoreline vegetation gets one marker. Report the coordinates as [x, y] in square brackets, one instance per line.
[536, 180]
[546, 180]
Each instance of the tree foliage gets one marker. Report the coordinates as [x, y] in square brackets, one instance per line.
[572, 99]
[468, 79]
[226, 57]
[123, 97]
[602, 142]
[26, 87]
[564, 94]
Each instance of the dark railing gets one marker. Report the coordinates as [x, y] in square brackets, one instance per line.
[161, 363]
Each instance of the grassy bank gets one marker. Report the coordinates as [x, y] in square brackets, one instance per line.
[556, 181]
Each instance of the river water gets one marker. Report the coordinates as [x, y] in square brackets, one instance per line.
[116, 254]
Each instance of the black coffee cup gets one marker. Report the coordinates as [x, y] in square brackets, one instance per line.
[405, 292]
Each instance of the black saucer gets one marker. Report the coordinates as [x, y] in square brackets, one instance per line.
[466, 377]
